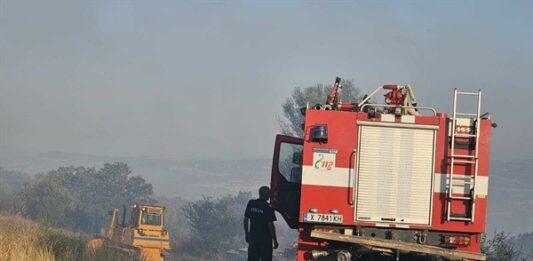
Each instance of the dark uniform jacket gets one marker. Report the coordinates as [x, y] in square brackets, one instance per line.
[260, 214]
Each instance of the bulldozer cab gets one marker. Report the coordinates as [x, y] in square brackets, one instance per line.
[150, 217]
[143, 216]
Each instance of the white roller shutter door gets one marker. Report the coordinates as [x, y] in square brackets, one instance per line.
[395, 172]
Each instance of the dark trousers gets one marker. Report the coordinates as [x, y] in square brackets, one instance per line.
[260, 251]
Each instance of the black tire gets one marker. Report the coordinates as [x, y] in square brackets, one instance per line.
[167, 256]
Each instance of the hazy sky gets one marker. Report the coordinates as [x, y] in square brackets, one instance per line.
[181, 79]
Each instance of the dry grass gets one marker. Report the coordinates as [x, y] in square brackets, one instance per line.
[25, 240]
[20, 239]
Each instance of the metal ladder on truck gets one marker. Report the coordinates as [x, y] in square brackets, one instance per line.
[463, 181]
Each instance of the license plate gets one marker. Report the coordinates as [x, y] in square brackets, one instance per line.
[323, 218]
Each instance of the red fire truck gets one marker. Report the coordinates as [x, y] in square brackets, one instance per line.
[385, 180]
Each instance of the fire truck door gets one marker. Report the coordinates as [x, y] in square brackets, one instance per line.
[286, 178]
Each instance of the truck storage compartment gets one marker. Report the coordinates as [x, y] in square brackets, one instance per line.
[395, 172]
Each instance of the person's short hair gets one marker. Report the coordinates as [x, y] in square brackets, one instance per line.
[264, 192]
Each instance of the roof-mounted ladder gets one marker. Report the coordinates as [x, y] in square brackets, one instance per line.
[463, 180]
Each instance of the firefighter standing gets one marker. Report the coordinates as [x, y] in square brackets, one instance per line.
[261, 237]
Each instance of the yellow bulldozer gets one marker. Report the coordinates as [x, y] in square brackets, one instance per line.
[140, 235]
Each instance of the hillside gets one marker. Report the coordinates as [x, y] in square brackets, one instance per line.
[511, 196]
[24, 240]
[510, 186]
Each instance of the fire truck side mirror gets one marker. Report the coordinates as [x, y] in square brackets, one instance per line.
[319, 133]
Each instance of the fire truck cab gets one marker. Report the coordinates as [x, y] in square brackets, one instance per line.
[389, 179]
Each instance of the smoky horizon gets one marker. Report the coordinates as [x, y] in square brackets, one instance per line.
[184, 80]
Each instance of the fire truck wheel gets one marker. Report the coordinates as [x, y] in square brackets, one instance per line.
[344, 255]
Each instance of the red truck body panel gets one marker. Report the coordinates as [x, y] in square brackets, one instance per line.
[333, 182]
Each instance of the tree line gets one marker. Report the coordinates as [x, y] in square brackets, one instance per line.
[78, 198]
